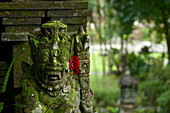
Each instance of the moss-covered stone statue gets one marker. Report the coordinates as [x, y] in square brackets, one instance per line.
[58, 80]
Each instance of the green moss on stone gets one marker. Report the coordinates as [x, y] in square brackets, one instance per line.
[25, 13]
[54, 24]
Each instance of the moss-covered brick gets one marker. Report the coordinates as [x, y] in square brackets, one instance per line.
[72, 20]
[24, 56]
[20, 29]
[22, 13]
[14, 37]
[74, 28]
[67, 13]
[54, 24]
[43, 5]
[21, 21]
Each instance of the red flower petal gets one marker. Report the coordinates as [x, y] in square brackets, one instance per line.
[74, 64]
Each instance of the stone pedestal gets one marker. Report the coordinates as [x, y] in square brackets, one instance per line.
[130, 108]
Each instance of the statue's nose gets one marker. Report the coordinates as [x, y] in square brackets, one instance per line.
[54, 58]
[54, 61]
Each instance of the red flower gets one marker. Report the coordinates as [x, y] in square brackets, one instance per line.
[75, 64]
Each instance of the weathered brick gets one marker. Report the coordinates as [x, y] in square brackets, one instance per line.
[74, 20]
[21, 21]
[43, 5]
[3, 73]
[20, 29]
[3, 65]
[66, 13]
[74, 28]
[22, 13]
[14, 37]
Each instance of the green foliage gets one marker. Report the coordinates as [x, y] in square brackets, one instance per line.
[8, 73]
[154, 79]
[155, 12]
[6, 78]
[104, 97]
[125, 16]
[145, 32]
[91, 4]
[98, 59]
[112, 109]
[144, 110]
[155, 90]
[150, 89]
[135, 63]
[164, 101]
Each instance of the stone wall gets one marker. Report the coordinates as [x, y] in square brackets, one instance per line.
[19, 19]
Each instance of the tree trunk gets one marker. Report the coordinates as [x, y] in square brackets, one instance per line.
[110, 43]
[166, 30]
[122, 43]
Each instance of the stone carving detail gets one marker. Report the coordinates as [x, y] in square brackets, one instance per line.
[49, 86]
[82, 49]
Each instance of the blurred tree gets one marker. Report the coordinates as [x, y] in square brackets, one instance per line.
[125, 17]
[101, 14]
[156, 11]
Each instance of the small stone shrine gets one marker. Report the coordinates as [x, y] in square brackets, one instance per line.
[128, 94]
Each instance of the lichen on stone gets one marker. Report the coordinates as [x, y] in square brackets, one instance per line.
[49, 86]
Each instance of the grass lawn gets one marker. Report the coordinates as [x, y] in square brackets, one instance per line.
[97, 80]
[106, 92]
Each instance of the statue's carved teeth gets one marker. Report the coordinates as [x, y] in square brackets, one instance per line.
[54, 76]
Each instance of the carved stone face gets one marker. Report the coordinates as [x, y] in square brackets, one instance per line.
[53, 54]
